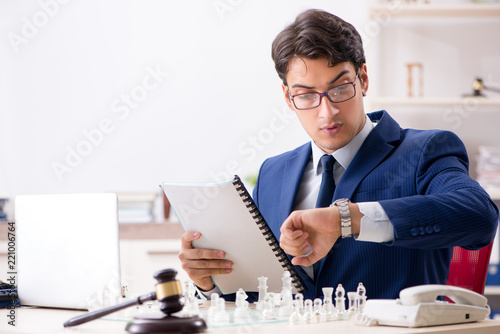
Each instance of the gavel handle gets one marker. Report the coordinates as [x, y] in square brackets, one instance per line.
[78, 320]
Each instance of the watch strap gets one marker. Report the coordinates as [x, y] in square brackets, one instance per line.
[345, 217]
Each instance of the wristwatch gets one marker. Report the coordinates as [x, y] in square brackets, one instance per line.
[345, 216]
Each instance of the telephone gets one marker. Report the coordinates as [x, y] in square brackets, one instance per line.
[418, 307]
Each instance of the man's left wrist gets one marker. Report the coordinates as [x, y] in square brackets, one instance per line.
[345, 216]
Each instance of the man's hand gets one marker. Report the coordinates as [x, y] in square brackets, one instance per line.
[310, 234]
[200, 264]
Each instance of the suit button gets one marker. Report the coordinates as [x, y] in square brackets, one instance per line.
[436, 228]
[421, 230]
[414, 232]
[429, 229]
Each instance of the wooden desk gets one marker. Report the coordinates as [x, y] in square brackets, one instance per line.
[39, 320]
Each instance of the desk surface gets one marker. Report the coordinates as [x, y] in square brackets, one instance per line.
[41, 321]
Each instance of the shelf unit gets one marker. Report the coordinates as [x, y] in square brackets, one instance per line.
[434, 101]
[387, 15]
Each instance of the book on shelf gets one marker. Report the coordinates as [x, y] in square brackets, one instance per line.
[136, 208]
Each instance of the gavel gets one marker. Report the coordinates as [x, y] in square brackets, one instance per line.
[168, 291]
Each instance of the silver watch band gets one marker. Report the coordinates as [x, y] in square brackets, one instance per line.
[345, 216]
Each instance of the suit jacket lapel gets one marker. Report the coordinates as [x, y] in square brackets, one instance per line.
[379, 143]
[292, 177]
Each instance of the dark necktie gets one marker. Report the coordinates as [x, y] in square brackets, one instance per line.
[327, 187]
[325, 195]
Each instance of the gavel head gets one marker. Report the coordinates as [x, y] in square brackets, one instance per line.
[477, 87]
[168, 291]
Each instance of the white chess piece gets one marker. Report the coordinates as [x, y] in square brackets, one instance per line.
[221, 315]
[352, 309]
[296, 316]
[191, 307]
[340, 311]
[213, 305]
[300, 299]
[328, 312]
[262, 292]
[268, 311]
[360, 296]
[309, 317]
[241, 310]
[318, 309]
[286, 295]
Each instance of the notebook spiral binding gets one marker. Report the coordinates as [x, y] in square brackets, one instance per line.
[268, 233]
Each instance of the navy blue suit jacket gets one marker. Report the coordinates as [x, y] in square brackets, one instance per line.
[421, 180]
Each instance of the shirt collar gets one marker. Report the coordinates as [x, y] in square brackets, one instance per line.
[344, 155]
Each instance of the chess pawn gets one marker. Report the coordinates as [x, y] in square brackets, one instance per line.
[360, 296]
[309, 317]
[296, 316]
[221, 315]
[213, 305]
[300, 299]
[318, 309]
[241, 310]
[328, 311]
[340, 311]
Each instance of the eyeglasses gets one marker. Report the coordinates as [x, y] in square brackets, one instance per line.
[335, 94]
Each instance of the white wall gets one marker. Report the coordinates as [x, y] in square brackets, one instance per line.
[184, 90]
[213, 105]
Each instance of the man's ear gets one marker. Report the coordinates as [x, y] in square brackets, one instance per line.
[287, 97]
[363, 76]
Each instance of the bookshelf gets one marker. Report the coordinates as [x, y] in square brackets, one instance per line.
[400, 32]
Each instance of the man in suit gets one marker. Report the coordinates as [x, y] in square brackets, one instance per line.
[401, 198]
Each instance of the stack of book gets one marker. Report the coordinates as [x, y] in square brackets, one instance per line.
[488, 168]
[136, 208]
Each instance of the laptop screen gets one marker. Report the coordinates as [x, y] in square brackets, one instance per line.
[67, 249]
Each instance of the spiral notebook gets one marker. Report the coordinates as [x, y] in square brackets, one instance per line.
[228, 220]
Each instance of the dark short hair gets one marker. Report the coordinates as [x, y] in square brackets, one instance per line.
[317, 34]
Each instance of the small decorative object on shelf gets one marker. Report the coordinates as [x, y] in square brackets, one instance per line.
[415, 77]
[478, 87]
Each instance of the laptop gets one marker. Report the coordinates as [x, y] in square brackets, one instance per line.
[67, 250]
